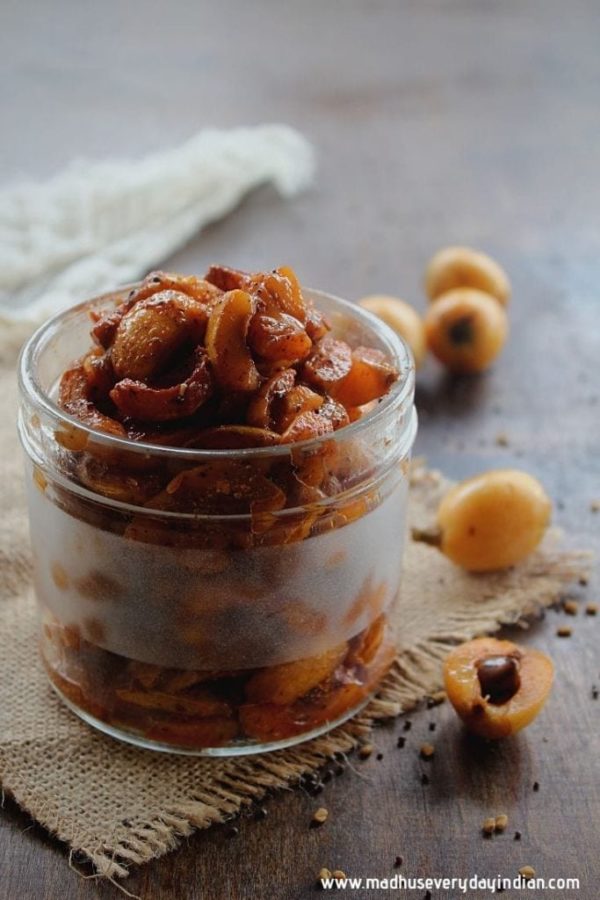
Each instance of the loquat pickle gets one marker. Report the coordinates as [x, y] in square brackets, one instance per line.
[493, 520]
[458, 267]
[497, 687]
[466, 330]
[401, 318]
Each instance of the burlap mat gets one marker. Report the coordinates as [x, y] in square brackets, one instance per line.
[121, 806]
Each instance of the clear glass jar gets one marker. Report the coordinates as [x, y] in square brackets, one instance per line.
[252, 621]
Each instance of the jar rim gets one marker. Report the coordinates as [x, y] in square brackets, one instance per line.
[401, 392]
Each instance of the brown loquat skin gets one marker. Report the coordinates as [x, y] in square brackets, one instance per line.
[466, 330]
[457, 267]
[401, 318]
[481, 715]
[493, 520]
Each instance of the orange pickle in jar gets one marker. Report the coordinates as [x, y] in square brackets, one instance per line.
[218, 544]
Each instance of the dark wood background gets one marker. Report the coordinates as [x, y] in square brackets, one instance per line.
[435, 122]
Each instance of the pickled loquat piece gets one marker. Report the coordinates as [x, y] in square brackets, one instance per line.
[286, 682]
[261, 412]
[140, 401]
[278, 337]
[306, 427]
[402, 319]
[493, 520]
[329, 363]
[207, 732]
[75, 395]
[466, 330]
[233, 437]
[458, 267]
[370, 377]
[298, 400]
[153, 331]
[226, 342]
[326, 702]
[496, 687]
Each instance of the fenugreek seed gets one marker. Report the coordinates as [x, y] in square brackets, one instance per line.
[365, 751]
[338, 873]
[583, 581]
[489, 826]
[591, 609]
[595, 506]
[324, 873]
[501, 822]
[571, 607]
[320, 815]
[564, 631]
[502, 439]
[527, 872]
[427, 751]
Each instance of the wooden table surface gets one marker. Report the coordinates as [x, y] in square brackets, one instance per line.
[435, 122]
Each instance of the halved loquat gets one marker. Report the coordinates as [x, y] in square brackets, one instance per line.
[497, 687]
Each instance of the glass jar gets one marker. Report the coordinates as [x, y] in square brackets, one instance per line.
[187, 602]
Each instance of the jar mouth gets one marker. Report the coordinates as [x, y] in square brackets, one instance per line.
[399, 396]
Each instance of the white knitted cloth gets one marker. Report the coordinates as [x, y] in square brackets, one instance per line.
[97, 225]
